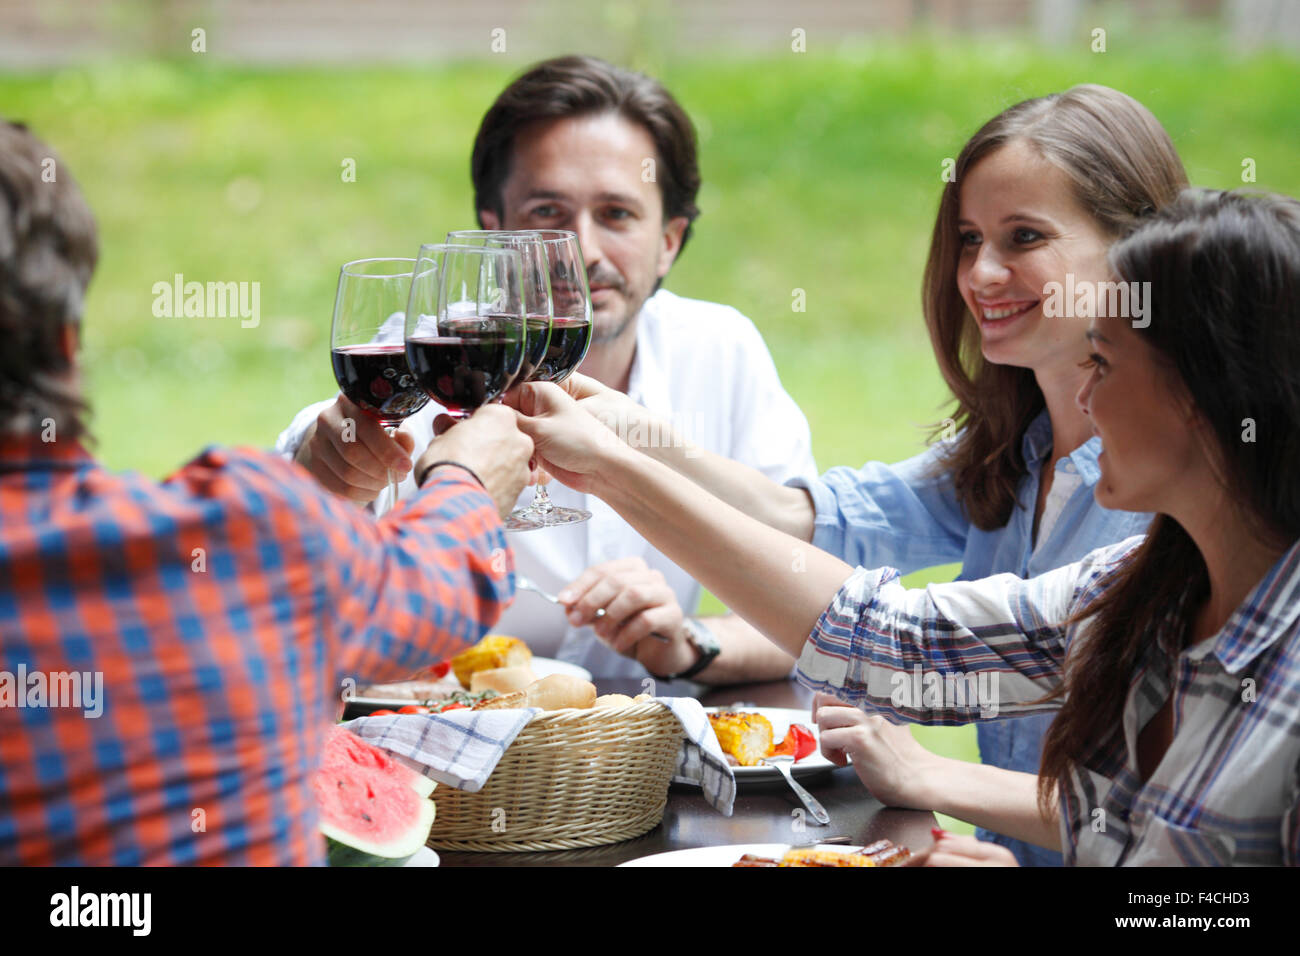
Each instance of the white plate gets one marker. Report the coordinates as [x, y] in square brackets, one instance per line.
[781, 718]
[425, 856]
[724, 855]
[546, 666]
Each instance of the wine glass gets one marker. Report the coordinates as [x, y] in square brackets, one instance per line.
[367, 344]
[537, 285]
[465, 326]
[567, 347]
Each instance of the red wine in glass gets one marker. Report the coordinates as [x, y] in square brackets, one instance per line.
[469, 362]
[539, 327]
[378, 379]
[566, 350]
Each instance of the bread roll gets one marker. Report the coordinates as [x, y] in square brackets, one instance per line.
[557, 691]
[613, 700]
[503, 680]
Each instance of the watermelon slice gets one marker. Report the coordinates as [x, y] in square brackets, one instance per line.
[374, 811]
[345, 747]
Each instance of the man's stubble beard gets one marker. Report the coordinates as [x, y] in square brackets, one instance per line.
[602, 335]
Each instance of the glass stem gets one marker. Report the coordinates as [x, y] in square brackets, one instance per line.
[392, 476]
[542, 501]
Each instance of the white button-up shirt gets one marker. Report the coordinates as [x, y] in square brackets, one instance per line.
[705, 368]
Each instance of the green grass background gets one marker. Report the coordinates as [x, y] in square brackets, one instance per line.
[822, 172]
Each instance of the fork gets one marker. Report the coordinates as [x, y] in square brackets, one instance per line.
[782, 763]
[527, 584]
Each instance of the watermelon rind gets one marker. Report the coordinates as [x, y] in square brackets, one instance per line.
[349, 849]
[422, 785]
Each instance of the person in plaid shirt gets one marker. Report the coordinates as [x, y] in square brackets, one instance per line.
[1172, 661]
[173, 653]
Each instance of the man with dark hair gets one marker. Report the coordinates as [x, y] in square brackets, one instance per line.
[171, 654]
[576, 143]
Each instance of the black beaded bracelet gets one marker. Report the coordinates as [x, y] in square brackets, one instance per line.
[420, 479]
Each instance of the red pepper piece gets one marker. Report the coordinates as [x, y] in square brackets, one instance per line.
[804, 741]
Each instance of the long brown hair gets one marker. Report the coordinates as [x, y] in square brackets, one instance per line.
[1224, 321]
[1122, 166]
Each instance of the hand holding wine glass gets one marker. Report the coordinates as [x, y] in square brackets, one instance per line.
[490, 444]
[569, 340]
[351, 454]
[366, 344]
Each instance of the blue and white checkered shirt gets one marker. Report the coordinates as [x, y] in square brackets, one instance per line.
[1227, 790]
[908, 516]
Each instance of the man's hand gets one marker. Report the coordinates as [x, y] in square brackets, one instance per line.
[350, 454]
[490, 443]
[638, 602]
[570, 444]
[886, 757]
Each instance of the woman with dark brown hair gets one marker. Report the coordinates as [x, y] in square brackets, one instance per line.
[1173, 659]
[1039, 194]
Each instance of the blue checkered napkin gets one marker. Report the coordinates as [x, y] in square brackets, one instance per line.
[700, 761]
[460, 748]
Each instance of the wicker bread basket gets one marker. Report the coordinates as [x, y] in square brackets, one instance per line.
[572, 778]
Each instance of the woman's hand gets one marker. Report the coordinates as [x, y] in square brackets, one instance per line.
[569, 443]
[951, 850]
[617, 412]
[886, 757]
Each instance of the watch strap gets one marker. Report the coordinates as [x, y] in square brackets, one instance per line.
[705, 642]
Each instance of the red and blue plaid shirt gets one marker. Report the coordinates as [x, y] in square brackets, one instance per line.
[222, 610]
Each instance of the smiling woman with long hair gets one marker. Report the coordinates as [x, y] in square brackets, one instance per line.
[1039, 193]
[1174, 659]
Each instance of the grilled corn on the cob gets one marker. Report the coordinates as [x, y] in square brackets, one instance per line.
[747, 737]
[495, 650]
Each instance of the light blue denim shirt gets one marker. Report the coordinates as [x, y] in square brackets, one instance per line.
[907, 516]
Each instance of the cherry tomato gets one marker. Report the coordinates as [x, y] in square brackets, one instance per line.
[382, 713]
[414, 709]
[443, 710]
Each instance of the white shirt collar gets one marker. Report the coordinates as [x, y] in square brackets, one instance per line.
[647, 383]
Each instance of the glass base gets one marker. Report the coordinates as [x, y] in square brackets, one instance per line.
[528, 519]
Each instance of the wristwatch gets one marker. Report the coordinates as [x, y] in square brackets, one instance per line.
[705, 642]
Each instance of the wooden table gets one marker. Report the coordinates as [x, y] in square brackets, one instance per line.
[763, 813]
